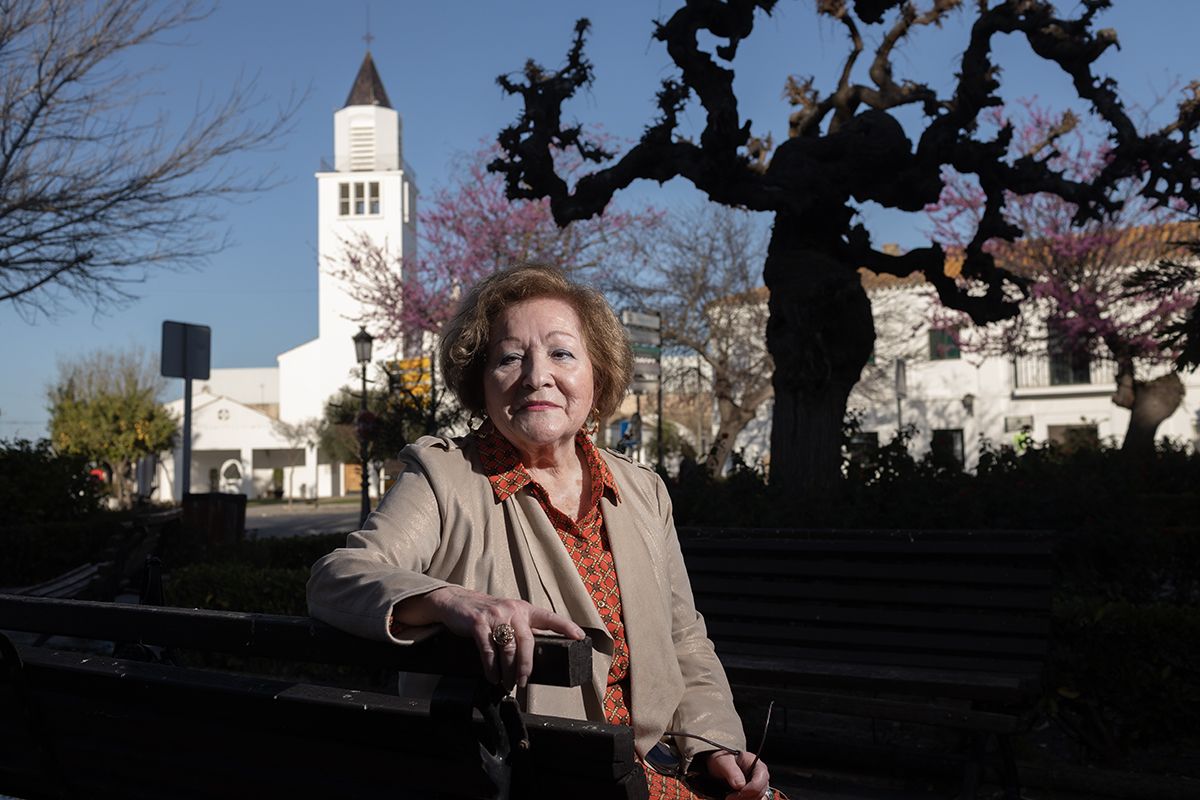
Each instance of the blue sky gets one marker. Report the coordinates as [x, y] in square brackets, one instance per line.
[438, 62]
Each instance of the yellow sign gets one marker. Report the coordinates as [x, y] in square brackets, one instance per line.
[413, 376]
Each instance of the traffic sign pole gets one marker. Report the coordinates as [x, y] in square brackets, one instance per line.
[645, 338]
[186, 353]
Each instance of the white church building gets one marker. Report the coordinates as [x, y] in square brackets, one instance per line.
[238, 444]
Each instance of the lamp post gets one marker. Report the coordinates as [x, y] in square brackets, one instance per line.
[362, 352]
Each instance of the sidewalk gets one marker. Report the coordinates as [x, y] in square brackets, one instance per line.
[277, 520]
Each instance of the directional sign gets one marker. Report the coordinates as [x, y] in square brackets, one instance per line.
[185, 350]
[638, 319]
[647, 350]
[644, 387]
[644, 336]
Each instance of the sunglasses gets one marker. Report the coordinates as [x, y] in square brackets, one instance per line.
[664, 759]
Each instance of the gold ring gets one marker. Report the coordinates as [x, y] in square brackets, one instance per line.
[503, 634]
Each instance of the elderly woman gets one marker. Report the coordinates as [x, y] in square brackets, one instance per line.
[524, 525]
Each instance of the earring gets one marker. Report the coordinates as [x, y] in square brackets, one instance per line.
[483, 429]
[591, 425]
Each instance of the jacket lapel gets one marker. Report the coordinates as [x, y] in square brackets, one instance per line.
[655, 683]
[559, 583]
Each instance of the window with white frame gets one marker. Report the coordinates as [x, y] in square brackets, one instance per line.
[359, 199]
[943, 344]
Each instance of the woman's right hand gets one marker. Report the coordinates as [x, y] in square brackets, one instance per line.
[475, 615]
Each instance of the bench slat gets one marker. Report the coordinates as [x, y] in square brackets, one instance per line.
[884, 640]
[730, 611]
[73, 583]
[897, 710]
[916, 572]
[692, 533]
[981, 597]
[773, 671]
[556, 661]
[1036, 550]
[868, 657]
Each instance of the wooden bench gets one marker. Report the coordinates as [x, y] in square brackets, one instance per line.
[85, 725]
[122, 559]
[72, 584]
[942, 628]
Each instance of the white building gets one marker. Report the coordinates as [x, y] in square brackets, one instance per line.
[368, 190]
[955, 397]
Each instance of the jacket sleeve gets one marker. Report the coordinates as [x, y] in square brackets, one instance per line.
[355, 587]
[706, 707]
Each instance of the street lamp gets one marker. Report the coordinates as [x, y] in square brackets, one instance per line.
[362, 352]
[901, 391]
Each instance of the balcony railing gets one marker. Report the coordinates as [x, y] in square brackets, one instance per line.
[377, 162]
[1039, 372]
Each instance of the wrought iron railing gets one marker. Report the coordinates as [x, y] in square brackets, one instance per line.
[1062, 370]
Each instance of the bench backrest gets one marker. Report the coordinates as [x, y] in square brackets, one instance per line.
[78, 724]
[956, 600]
[90, 726]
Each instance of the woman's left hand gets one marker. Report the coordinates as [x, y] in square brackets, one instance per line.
[732, 770]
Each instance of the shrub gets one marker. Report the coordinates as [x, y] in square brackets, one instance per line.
[292, 551]
[1122, 673]
[232, 586]
[40, 485]
[238, 587]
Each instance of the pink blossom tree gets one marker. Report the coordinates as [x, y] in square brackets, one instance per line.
[873, 134]
[469, 230]
[1084, 300]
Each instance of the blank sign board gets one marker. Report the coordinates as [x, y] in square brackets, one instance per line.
[186, 350]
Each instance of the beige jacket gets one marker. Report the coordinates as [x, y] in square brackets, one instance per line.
[441, 524]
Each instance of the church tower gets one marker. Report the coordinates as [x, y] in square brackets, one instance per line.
[368, 190]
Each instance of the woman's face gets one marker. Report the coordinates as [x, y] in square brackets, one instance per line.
[537, 383]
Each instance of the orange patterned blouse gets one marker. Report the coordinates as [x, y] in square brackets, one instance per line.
[586, 540]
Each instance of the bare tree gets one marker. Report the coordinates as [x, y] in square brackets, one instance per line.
[701, 271]
[847, 146]
[303, 434]
[93, 194]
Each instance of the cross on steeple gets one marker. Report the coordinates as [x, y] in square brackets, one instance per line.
[368, 38]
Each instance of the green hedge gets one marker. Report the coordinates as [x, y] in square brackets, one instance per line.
[232, 586]
[1122, 673]
[265, 575]
[39, 485]
[238, 587]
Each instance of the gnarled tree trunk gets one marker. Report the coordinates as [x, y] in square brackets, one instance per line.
[734, 420]
[820, 336]
[1150, 403]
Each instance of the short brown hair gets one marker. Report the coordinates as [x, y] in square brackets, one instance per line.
[465, 339]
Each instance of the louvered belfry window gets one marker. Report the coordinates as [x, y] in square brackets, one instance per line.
[362, 148]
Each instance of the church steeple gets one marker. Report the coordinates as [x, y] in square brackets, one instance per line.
[368, 88]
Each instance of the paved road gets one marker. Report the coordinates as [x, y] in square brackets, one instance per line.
[274, 521]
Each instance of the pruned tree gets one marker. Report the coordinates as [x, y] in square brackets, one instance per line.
[104, 406]
[94, 194]
[701, 270]
[1082, 305]
[846, 146]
